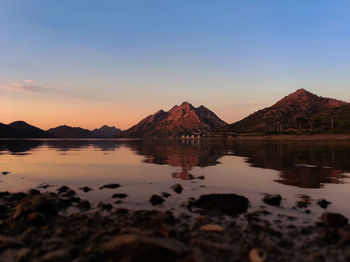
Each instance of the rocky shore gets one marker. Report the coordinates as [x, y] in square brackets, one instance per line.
[60, 226]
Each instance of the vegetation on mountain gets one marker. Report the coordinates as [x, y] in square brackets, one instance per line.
[299, 112]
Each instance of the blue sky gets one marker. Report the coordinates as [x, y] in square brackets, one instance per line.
[96, 62]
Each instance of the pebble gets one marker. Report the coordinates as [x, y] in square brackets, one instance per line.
[212, 228]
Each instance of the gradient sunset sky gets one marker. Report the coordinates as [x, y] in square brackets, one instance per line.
[88, 63]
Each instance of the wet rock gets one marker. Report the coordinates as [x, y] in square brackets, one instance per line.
[10, 242]
[4, 173]
[111, 186]
[229, 204]
[301, 204]
[272, 200]
[62, 189]
[84, 205]
[121, 211]
[165, 194]
[119, 195]
[156, 200]
[43, 203]
[177, 188]
[333, 220]
[85, 189]
[304, 201]
[44, 186]
[3, 206]
[4, 194]
[16, 196]
[57, 255]
[34, 192]
[67, 199]
[166, 230]
[344, 233]
[68, 193]
[323, 203]
[257, 255]
[104, 206]
[14, 254]
[212, 246]
[132, 247]
[212, 228]
[315, 257]
[167, 217]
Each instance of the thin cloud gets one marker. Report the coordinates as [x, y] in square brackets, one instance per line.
[28, 81]
[31, 87]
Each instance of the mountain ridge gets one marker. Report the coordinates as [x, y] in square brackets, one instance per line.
[64, 131]
[184, 119]
[21, 129]
[298, 110]
[106, 131]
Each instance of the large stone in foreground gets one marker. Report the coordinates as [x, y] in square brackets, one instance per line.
[132, 247]
[333, 220]
[228, 204]
[42, 203]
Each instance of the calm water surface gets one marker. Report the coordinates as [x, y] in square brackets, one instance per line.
[143, 168]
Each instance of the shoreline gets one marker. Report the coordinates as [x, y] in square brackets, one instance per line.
[58, 226]
[303, 137]
[246, 136]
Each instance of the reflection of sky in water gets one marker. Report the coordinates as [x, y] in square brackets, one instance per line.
[145, 168]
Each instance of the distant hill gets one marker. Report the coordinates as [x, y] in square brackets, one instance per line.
[106, 131]
[21, 129]
[72, 132]
[300, 110]
[180, 120]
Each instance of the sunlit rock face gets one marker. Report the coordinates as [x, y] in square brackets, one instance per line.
[178, 121]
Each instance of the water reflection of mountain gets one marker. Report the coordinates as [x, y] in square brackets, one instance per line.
[302, 164]
[19, 147]
[26, 146]
[67, 145]
[185, 154]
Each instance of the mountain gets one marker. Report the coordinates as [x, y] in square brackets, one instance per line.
[106, 131]
[300, 110]
[180, 120]
[71, 132]
[7, 131]
[21, 129]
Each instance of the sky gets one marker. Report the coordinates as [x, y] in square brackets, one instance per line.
[89, 63]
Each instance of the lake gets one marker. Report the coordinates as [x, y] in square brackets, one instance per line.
[250, 168]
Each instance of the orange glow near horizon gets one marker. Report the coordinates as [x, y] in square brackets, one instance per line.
[47, 112]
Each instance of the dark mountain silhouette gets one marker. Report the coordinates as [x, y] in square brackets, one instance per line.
[21, 129]
[300, 110]
[106, 131]
[8, 131]
[180, 120]
[71, 132]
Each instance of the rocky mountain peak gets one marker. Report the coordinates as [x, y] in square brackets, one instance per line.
[179, 120]
[307, 100]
